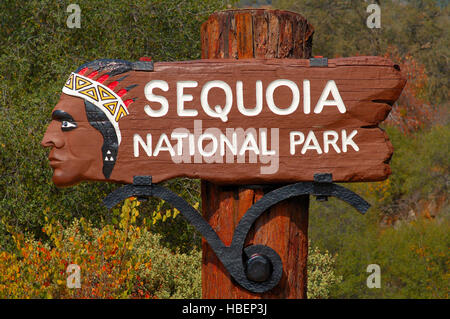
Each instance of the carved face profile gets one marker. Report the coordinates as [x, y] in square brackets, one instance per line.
[75, 145]
[84, 134]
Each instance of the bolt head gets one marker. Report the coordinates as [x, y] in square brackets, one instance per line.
[259, 268]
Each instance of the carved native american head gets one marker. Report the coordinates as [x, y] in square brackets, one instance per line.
[84, 133]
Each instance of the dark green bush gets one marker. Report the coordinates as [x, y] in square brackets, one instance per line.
[38, 52]
[413, 254]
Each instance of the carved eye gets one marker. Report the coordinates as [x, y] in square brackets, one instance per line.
[67, 126]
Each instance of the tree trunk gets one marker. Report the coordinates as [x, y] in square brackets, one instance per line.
[240, 34]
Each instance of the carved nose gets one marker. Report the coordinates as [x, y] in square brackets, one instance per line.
[46, 142]
[52, 138]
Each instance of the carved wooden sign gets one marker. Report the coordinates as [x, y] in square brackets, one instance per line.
[226, 121]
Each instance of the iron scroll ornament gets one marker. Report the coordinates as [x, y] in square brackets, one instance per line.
[257, 268]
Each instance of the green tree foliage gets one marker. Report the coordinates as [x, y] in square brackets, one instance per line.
[416, 27]
[406, 229]
[421, 169]
[37, 53]
[413, 259]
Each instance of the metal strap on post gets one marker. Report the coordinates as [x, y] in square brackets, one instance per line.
[257, 268]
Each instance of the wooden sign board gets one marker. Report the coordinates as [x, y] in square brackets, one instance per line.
[226, 121]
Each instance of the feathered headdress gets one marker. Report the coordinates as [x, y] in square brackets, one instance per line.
[104, 106]
[83, 85]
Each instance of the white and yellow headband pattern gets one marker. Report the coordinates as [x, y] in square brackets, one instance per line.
[99, 95]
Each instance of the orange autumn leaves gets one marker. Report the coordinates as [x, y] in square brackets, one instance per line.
[108, 267]
[411, 111]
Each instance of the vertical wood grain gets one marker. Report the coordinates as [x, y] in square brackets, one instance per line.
[256, 34]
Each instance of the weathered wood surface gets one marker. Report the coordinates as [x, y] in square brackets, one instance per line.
[256, 33]
[284, 228]
[367, 86]
[283, 35]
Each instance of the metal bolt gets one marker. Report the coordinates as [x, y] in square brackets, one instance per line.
[259, 268]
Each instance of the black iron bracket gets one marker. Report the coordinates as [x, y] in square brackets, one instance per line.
[257, 268]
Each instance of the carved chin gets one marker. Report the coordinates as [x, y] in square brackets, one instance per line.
[62, 179]
[69, 174]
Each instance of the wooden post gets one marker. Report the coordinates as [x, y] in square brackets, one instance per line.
[241, 34]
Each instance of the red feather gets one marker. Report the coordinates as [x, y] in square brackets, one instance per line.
[103, 78]
[113, 85]
[92, 74]
[122, 92]
[128, 102]
[83, 71]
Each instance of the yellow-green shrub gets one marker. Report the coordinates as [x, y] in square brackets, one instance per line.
[116, 262]
[321, 273]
